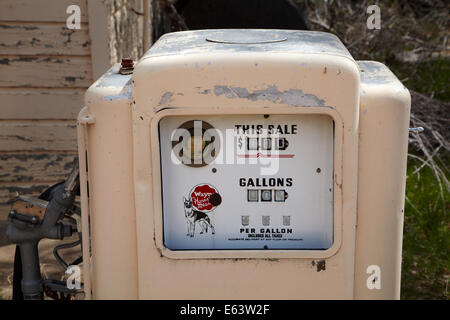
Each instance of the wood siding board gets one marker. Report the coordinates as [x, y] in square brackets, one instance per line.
[128, 32]
[11, 191]
[32, 167]
[38, 136]
[117, 31]
[38, 71]
[100, 31]
[4, 211]
[43, 39]
[41, 103]
[39, 10]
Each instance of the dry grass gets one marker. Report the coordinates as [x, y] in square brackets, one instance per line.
[408, 28]
[413, 42]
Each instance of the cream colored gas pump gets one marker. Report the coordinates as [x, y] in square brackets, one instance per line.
[244, 164]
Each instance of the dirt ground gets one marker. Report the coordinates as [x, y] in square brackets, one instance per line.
[49, 267]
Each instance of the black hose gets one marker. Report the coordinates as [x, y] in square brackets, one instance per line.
[77, 261]
[64, 246]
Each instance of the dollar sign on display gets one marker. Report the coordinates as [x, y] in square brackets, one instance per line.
[240, 142]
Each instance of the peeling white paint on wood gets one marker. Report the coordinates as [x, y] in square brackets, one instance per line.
[32, 167]
[40, 103]
[39, 10]
[9, 192]
[43, 39]
[38, 71]
[38, 135]
[44, 72]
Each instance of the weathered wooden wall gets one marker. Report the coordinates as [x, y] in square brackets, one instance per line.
[127, 19]
[45, 68]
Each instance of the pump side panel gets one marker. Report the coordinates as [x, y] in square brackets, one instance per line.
[383, 147]
[110, 174]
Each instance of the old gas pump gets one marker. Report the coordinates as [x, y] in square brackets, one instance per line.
[244, 164]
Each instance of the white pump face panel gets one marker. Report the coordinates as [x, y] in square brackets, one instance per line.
[247, 182]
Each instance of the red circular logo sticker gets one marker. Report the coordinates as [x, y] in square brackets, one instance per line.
[201, 196]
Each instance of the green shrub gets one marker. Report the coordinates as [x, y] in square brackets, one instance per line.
[425, 268]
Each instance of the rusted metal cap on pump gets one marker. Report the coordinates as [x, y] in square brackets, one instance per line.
[127, 66]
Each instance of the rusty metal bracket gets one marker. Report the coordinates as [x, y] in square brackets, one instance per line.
[27, 208]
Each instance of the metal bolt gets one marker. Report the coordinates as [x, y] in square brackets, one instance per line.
[127, 66]
[417, 130]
